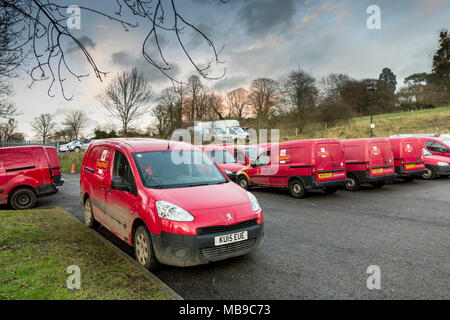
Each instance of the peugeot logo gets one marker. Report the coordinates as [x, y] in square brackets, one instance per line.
[229, 217]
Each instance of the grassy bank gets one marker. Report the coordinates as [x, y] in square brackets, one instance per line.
[425, 121]
[37, 246]
[67, 158]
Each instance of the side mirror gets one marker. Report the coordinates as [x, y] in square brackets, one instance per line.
[252, 163]
[117, 183]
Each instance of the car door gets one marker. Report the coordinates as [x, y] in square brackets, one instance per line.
[262, 173]
[121, 205]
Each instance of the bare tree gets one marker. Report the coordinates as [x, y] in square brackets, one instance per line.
[195, 89]
[8, 131]
[75, 121]
[44, 126]
[41, 27]
[300, 93]
[127, 98]
[162, 115]
[263, 99]
[236, 102]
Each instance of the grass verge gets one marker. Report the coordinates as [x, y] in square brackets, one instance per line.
[424, 121]
[67, 158]
[37, 246]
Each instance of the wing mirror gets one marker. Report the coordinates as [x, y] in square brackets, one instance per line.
[253, 163]
[117, 183]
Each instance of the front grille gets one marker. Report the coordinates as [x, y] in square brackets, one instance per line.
[219, 229]
[228, 248]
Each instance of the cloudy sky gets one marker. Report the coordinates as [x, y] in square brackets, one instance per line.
[260, 38]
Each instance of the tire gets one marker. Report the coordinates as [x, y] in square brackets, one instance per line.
[89, 219]
[297, 189]
[77, 149]
[378, 184]
[143, 249]
[330, 190]
[243, 182]
[352, 184]
[23, 199]
[429, 174]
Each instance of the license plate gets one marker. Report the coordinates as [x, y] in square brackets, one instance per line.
[377, 170]
[230, 238]
[410, 166]
[325, 175]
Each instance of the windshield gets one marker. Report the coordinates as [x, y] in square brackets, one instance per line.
[221, 156]
[239, 130]
[446, 142]
[253, 152]
[219, 130]
[426, 152]
[177, 169]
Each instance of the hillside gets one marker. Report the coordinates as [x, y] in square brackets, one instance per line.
[425, 121]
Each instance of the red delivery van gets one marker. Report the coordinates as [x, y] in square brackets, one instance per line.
[438, 146]
[408, 157]
[298, 166]
[55, 165]
[435, 166]
[368, 161]
[224, 159]
[244, 154]
[25, 175]
[169, 201]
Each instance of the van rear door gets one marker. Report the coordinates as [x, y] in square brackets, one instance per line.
[324, 163]
[413, 154]
[55, 165]
[380, 158]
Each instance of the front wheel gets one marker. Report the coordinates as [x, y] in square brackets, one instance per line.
[297, 189]
[243, 182]
[429, 174]
[89, 219]
[143, 248]
[23, 199]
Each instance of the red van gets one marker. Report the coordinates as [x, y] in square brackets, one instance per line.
[408, 157]
[223, 157]
[435, 166]
[55, 165]
[169, 201]
[298, 166]
[25, 175]
[368, 161]
[438, 146]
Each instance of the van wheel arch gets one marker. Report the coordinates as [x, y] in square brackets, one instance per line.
[136, 224]
[22, 187]
[293, 178]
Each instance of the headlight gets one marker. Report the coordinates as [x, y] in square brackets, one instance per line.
[169, 211]
[228, 172]
[253, 202]
[443, 164]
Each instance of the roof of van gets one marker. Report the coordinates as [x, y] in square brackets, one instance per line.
[20, 148]
[144, 144]
[365, 140]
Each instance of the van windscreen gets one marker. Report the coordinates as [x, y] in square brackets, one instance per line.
[176, 169]
[253, 152]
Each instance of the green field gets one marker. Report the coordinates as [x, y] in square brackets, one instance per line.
[37, 246]
[424, 121]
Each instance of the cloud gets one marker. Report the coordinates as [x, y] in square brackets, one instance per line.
[87, 42]
[230, 82]
[264, 16]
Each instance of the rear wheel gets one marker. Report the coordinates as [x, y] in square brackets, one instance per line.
[23, 199]
[297, 189]
[89, 219]
[77, 149]
[352, 184]
[429, 173]
[330, 190]
[143, 248]
[243, 182]
[378, 184]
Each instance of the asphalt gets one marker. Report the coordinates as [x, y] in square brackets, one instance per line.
[320, 247]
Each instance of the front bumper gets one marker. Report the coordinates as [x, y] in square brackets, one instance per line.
[191, 250]
[46, 190]
[442, 171]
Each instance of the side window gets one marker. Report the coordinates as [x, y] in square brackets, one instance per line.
[263, 159]
[239, 156]
[122, 168]
[435, 146]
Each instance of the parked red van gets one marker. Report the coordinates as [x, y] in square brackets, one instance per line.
[55, 165]
[408, 157]
[25, 175]
[169, 201]
[438, 146]
[368, 161]
[223, 157]
[298, 166]
[435, 166]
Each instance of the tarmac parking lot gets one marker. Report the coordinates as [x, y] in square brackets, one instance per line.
[320, 247]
